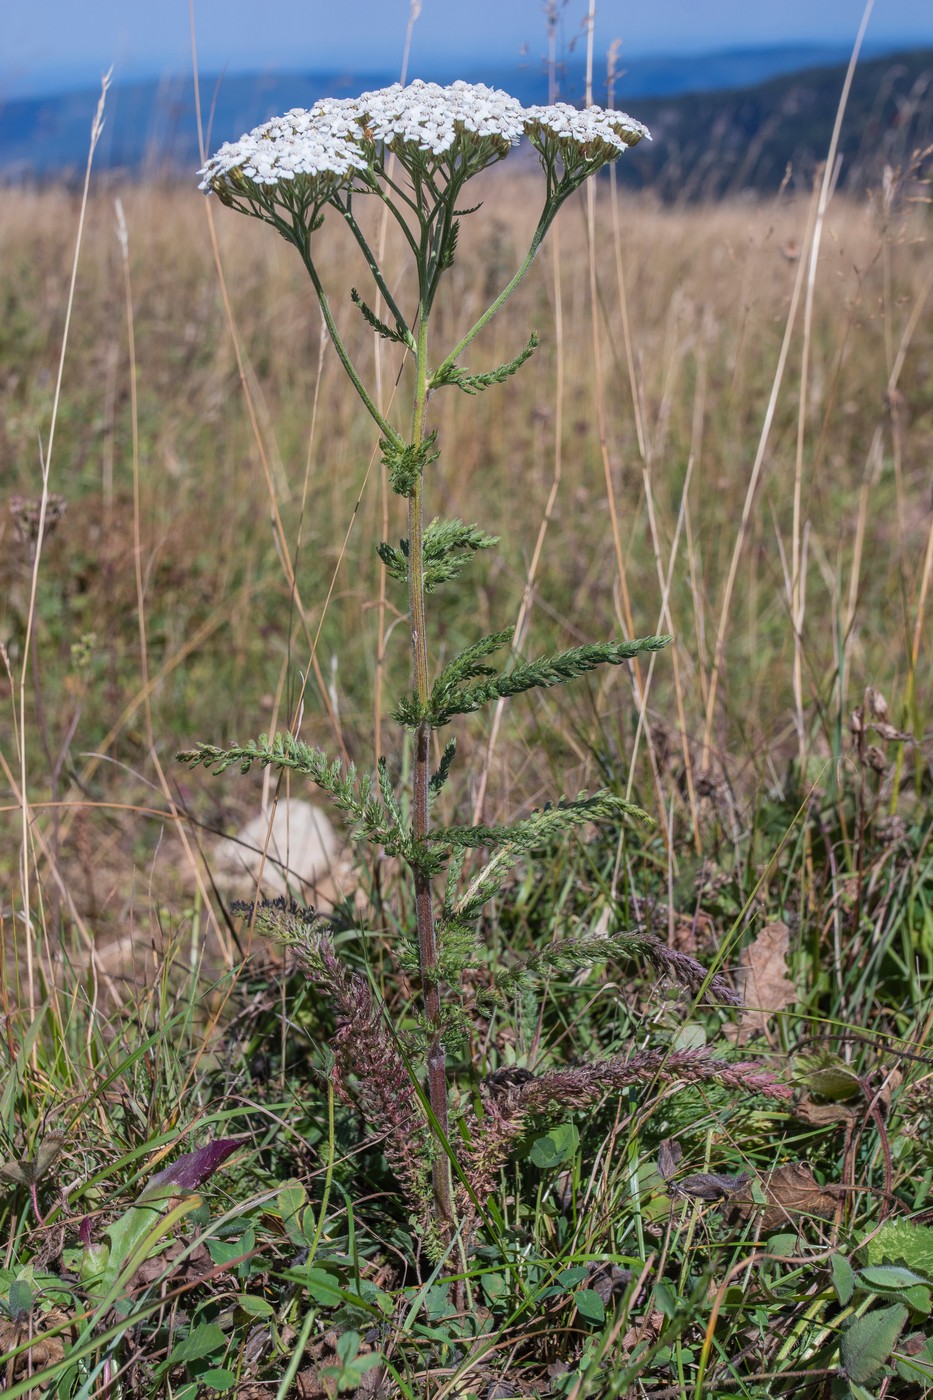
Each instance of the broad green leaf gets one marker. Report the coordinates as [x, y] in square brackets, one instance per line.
[140, 1233]
[366, 1363]
[867, 1344]
[910, 1288]
[902, 1242]
[20, 1297]
[887, 1276]
[575, 1274]
[322, 1287]
[217, 1378]
[691, 1036]
[843, 1277]
[917, 1298]
[665, 1298]
[590, 1305]
[290, 1201]
[555, 1147]
[203, 1340]
[783, 1245]
[222, 1251]
[348, 1344]
[255, 1306]
[828, 1076]
[494, 1286]
[127, 1232]
[437, 1302]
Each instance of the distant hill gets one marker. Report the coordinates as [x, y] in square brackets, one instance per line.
[711, 144]
[721, 122]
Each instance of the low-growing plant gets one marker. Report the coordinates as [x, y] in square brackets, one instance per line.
[414, 149]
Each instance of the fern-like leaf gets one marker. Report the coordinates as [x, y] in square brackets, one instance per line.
[401, 335]
[405, 462]
[535, 831]
[350, 793]
[442, 773]
[476, 383]
[466, 666]
[448, 546]
[450, 695]
[529, 835]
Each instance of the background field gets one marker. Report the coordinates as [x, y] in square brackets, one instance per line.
[731, 442]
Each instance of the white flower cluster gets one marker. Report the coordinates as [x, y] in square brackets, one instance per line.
[337, 137]
[593, 126]
[322, 141]
[431, 117]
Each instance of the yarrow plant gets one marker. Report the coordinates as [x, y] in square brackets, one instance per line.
[414, 148]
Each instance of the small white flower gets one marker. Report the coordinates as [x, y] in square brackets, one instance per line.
[326, 141]
[591, 130]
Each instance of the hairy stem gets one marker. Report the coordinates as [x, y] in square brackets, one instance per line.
[424, 908]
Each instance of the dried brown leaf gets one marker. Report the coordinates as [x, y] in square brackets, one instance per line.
[822, 1115]
[43, 1351]
[790, 1190]
[669, 1154]
[766, 987]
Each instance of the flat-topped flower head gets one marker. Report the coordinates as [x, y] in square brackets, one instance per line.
[434, 119]
[457, 129]
[294, 163]
[582, 140]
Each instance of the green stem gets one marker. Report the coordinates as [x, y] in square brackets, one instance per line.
[375, 270]
[424, 908]
[544, 223]
[384, 427]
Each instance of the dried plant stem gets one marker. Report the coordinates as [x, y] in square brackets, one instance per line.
[528, 593]
[798, 566]
[725, 610]
[639, 683]
[223, 943]
[46, 464]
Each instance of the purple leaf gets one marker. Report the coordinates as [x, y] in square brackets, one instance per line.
[187, 1172]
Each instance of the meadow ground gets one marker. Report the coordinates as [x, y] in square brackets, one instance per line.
[726, 434]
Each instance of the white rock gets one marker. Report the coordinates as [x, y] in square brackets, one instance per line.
[302, 855]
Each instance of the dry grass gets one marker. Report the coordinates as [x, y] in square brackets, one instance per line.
[708, 292]
[642, 475]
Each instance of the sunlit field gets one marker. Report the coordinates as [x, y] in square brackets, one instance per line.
[726, 434]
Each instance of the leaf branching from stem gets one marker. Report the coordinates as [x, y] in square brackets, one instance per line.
[447, 548]
[351, 793]
[450, 695]
[476, 383]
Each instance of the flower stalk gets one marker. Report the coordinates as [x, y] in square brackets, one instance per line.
[421, 816]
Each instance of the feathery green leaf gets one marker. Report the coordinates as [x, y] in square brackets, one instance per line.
[450, 696]
[405, 462]
[350, 793]
[401, 335]
[476, 383]
[442, 562]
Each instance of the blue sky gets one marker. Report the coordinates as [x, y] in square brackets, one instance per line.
[51, 43]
